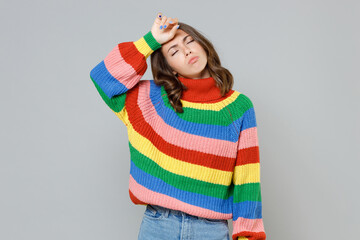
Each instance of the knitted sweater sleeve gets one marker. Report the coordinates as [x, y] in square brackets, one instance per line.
[121, 71]
[247, 207]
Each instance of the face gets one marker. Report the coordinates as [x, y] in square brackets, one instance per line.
[179, 50]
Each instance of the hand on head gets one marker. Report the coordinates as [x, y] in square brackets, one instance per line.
[164, 28]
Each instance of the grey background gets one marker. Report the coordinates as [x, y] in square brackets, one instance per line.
[64, 155]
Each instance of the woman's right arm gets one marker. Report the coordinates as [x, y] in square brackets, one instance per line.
[123, 67]
[121, 70]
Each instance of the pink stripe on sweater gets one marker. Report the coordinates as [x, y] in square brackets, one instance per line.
[177, 137]
[245, 224]
[120, 69]
[248, 138]
[151, 197]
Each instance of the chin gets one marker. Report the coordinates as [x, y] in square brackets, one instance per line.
[202, 66]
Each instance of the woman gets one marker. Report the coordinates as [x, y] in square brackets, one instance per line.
[193, 140]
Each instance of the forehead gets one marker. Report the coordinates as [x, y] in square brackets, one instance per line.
[179, 35]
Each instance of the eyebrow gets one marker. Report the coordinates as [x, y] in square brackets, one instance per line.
[184, 39]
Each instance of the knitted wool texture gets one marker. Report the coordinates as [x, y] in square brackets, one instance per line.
[204, 161]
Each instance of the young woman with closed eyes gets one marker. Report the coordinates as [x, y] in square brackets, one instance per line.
[192, 138]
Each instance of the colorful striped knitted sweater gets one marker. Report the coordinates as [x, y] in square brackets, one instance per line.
[204, 161]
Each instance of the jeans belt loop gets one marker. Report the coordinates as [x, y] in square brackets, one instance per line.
[166, 213]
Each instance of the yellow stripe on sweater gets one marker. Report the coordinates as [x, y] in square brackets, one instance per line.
[143, 47]
[173, 165]
[212, 106]
[123, 115]
[248, 173]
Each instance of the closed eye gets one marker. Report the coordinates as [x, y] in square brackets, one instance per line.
[177, 51]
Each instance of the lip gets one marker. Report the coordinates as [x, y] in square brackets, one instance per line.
[193, 59]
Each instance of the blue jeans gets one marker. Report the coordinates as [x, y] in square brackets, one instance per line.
[160, 223]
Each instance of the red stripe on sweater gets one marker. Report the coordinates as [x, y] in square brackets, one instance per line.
[135, 199]
[133, 57]
[248, 155]
[185, 155]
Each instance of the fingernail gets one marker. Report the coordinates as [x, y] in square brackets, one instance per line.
[159, 15]
[178, 26]
[170, 22]
[164, 26]
[161, 27]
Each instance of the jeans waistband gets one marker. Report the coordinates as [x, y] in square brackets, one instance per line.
[166, 211]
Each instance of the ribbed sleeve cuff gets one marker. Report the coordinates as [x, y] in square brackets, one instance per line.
[151, 41]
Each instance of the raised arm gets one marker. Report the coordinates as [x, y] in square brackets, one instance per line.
[123, 67]
[121, 70]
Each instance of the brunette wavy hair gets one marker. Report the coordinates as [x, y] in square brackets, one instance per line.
[163, 73]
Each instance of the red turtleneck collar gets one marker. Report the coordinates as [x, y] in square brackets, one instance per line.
[201, 90]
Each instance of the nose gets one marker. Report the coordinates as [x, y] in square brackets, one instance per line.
[187, 51]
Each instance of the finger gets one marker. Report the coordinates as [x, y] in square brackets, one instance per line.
[163, 20]
[158, 18]
[170, 22]
[166, 23]
[173, 30]
[175, 20]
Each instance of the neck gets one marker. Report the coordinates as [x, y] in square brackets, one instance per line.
[204, 74]
[201, 90]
